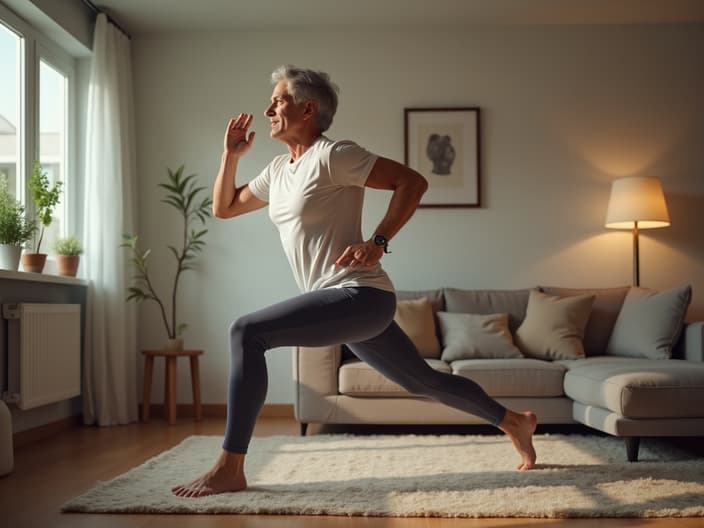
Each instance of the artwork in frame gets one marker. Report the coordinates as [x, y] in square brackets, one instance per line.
[443, 145]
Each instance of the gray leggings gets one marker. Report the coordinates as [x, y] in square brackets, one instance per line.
[360, 317]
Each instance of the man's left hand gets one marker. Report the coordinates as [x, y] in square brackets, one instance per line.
[357, 255]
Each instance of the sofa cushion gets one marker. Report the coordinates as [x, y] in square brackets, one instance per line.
[356, 378]
[649, 323]
[638, 388]
[554, 326]
[512, 302]
[470, 336]
[607, 304]
[415, 317]
[522, 377]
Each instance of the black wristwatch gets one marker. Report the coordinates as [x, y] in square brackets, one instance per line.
[381, 240]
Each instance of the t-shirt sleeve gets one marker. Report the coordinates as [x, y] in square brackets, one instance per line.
[260, 185]
[350, 164]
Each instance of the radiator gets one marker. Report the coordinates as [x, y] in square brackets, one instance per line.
[44, 353]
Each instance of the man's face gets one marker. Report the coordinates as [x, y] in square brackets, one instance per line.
[285, 116]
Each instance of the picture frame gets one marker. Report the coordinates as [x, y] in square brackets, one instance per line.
[443, 144]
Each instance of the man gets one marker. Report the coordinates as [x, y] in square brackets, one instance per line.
[315, 195]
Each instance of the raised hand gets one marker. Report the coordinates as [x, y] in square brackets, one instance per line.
[236, 140]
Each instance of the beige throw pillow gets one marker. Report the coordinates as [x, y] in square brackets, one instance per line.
[554, 326]
[415, 317]
[649, 323]
[473, 336]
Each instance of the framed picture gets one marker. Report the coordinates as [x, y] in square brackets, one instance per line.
[443, 145]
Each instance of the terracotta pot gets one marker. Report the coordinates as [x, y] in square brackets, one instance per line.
[67, 265]
[174, 344]
[33, 262]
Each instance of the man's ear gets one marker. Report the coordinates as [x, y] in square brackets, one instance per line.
[309, 109]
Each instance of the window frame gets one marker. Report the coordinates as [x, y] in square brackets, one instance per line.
[36, 47]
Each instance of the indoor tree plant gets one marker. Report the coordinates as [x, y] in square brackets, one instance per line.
[68, 251]
[15, 228]
[182, 194]
[46, 198]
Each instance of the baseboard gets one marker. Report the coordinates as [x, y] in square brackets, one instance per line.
[45, 431]
[219, 410]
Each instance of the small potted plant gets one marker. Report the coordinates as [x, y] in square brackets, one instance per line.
[46, 198]
[183, 196]
[68, 251]
[15, 228]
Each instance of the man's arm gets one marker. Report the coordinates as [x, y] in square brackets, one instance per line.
[229, 200]
[408, 187]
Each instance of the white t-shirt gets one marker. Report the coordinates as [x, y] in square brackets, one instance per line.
[316, 203]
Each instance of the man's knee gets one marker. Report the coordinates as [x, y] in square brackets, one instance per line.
[244, 332]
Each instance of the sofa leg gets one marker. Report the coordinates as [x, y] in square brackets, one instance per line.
[632, 445]
[304, 428]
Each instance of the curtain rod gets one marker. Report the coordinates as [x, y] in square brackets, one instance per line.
[97, 11]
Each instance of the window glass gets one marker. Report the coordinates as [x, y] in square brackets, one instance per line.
[53, 129]
[10, 104]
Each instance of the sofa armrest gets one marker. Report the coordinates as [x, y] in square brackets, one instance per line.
[693, 342]
[315, 375]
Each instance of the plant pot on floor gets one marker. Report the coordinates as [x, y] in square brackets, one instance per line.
[10, 257]
[33, 262]
[67, 265]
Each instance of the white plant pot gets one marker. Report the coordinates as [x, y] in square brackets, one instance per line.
[10, 257]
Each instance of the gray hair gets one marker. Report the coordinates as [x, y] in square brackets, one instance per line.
[306, 85]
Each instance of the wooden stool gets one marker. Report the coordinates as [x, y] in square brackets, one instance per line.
[170, 357]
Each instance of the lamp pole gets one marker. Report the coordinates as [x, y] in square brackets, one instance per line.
[636, 264]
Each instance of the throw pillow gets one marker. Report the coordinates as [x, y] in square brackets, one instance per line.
[415, 317]
[602, 318]
[554, 326]
[472, 336]
[649, 323]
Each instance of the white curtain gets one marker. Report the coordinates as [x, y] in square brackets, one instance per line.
[110, 366]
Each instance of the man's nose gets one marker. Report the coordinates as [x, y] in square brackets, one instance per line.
[269, 110]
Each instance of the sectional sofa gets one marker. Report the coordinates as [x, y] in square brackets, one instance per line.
[619, 360]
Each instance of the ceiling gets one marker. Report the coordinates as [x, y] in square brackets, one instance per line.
[150, 16]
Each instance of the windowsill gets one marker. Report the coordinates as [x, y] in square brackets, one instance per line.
[41, 277]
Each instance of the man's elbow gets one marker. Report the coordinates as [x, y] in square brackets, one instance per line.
[221, 212]
[217, 211]
[422, 184]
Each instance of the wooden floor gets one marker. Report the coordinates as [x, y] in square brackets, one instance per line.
[51, 471]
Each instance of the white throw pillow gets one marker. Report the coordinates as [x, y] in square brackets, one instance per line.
[473, 336]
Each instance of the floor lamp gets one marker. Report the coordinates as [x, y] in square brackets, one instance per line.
[637, 203]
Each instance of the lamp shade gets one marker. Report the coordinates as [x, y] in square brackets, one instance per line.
[637, 199]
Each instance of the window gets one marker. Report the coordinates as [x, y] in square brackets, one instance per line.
[36, 117]
[53, 136]
[10, 105]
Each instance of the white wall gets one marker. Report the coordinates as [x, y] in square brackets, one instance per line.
[565, 111]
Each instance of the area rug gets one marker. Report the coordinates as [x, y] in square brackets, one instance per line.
[418, 476]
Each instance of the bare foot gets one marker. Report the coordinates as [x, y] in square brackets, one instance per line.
[225, 476]
[520, 428]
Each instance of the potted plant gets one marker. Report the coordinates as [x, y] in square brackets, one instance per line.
[68, 251]
[182, 194]
[15, 228]
[45, 198]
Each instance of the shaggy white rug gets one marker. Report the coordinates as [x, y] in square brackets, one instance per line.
[418, 476]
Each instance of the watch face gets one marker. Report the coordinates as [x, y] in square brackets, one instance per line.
[380, 240]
